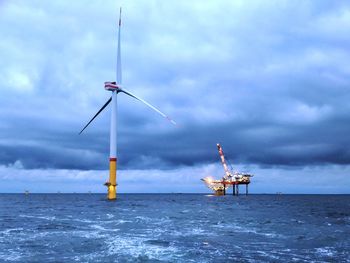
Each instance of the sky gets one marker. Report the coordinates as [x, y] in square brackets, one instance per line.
[268, 80]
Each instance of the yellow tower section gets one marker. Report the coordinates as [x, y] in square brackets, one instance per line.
[112, 184]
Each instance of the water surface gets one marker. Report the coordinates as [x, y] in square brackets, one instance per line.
[174, 228]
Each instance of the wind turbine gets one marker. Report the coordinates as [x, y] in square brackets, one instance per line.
[116, 88]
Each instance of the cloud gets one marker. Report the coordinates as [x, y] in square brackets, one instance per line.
[181, 180]
[267, 80]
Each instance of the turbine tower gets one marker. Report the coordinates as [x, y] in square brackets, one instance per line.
[116, 88]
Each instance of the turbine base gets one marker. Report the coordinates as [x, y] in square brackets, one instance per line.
[112, 183]
[112, 86]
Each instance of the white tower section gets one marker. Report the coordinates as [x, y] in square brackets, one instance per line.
[113, 134]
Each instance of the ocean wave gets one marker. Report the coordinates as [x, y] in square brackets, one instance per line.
[325, 251]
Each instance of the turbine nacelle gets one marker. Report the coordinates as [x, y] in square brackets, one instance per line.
[112, 86]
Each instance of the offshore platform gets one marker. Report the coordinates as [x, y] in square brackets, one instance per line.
[230, 178]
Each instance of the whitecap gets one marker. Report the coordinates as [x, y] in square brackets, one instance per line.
[325, 251]
[140, 247]
[10, 230]
[109, 216]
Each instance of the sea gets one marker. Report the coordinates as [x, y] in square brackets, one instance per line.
[174, 228]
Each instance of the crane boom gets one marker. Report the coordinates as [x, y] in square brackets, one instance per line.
[222, 157]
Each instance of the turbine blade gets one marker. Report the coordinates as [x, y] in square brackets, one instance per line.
[148, 104]
[104, 106]
[119, 60]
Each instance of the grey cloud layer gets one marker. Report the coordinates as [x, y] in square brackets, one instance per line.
[270, 81]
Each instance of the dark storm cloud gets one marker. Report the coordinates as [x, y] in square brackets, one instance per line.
[269, 81]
